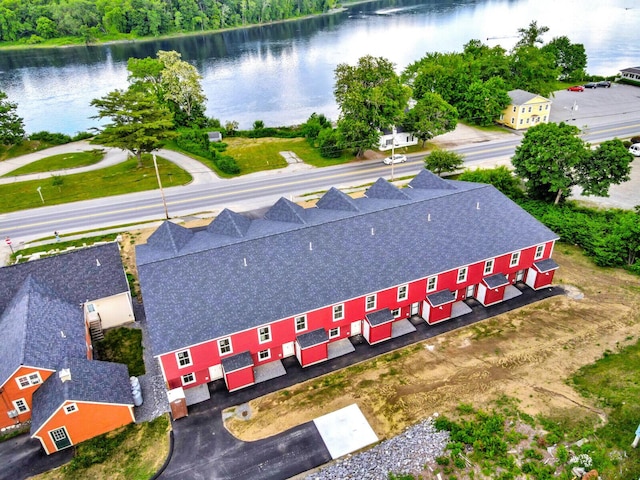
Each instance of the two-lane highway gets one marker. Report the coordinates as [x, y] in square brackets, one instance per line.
[249, 192]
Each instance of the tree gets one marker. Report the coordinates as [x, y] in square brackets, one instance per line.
[484, 101]
[139, 123]
[608, 164]
[548, 160]
[431, 116]
[329, 143]
[11, 125]
[371, 98]
[500, 177]
[440, 161]
[531, 35]
[181, 84]
[533, 69]
[569, 57]
[313, 126]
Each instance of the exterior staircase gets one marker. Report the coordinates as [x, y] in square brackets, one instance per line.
[95, 329]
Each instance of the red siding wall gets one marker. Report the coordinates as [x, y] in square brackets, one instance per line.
[380, 333]
[315, 354]
[283, 331]
[494, 295]
[438, 314]
[543, 279]
[239, 378]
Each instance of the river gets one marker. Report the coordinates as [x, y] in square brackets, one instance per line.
[282, 73]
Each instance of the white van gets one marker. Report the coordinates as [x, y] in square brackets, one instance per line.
[635, 149]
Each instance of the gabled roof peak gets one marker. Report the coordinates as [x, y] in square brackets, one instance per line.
[230, 223]
[385, 190]
[426, 180]
[170, 236]
[286, 211]
[334, 199]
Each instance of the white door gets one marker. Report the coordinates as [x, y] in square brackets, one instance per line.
[519, 275]
[356, 328]
[288, 350]
[470, 291]
[215, 372]
[415, 308]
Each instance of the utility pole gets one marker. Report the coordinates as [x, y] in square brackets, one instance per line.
[164, 202]
[393, 149]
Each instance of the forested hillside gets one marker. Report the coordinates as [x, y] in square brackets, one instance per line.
[34, 21]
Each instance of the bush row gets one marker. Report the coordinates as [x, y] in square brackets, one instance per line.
[197, 142]
[58, 138]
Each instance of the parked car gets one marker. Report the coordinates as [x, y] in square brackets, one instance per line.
[591, 85]
[397, 158]
[576, 88]
[604, 83]
[635, 149]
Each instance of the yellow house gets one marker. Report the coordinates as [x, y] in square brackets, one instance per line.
[525, 110]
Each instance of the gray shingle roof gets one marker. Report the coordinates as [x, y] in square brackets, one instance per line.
[430, 182]
[496, 281]
[440, 298]
[334, 199]
[74, 276]
[237, 362]
[518, 97]
[384, 190]
[208, 291]
[631, 70]
[230, 223]
[38, 329]
[312, 338]
[91, 381]
[379, 317]
[171, 237]
[546, 265]
[286, 211]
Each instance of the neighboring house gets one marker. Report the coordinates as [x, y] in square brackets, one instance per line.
[525, 110]
[230, 301]
[84, 399]
[632, 73]
[400, 138]
[48, 308]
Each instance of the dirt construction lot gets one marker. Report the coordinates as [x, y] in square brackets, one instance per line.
[528, 354]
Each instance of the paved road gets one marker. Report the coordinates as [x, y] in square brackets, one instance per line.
[602, 114]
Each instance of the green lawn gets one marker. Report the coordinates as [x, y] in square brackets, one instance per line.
[123, 345]
[28, 146]
[115, 180]
[60, 162]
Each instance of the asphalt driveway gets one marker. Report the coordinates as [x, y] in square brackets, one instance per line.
[22, 457]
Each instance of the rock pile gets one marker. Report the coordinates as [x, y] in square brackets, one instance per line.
[406, 453]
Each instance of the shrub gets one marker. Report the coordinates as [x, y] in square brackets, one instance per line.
[635, 139]
[52, 138]
[227, 164]
[442, 460]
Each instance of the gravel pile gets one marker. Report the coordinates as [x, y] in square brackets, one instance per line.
[406, 453]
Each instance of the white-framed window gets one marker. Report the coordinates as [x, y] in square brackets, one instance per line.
[183, 358]
[27, 381]
[72, 407]
[21, 405]
[224, 346]
[527, 119]
[264, 334]
[544, 119]
[529, 109]
[334, 332]
[488, 266]
[521, 121]
[264, 355]
[502, 116]
[539, 252]
[403, 292]
[188, 379]
[91, 307]
[540, 108]
[546, 107]
[462, 274]
[370, 302]
[301, 323]
[522, 109]
[515, 259]
[395, 312]
[514, 109]
[338, 312]
[432, 284]
[513, 120]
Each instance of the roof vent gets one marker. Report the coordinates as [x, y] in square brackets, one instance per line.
[310, 246]
[62, 334]
[428, 217]
[373, 231]
[477, 205]
[245, 261]
[65, 375]
[97, 262]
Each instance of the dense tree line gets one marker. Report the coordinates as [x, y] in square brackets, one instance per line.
[32, 21]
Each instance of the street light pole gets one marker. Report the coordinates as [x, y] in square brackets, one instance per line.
[393, 149]
[39, 189]
[164, 202]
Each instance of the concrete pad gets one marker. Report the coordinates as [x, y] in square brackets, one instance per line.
[401, 327]
[268, 371]
[460, 308]
[339, 348]
[345, 431]
[511, 292]
[197, 394]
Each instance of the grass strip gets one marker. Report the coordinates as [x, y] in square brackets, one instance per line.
[123, 345]
[60, 162]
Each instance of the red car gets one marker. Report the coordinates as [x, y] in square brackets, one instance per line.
[577, 88]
